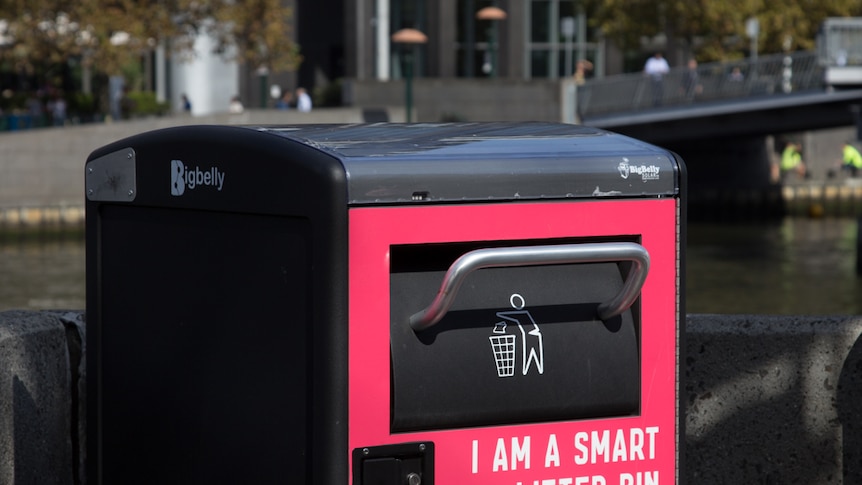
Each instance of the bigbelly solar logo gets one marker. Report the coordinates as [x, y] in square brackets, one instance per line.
[182, 178]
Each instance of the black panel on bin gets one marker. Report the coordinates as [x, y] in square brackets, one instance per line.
[487, 362]
[206, 355]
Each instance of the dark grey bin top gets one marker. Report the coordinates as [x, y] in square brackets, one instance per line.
[388, 163]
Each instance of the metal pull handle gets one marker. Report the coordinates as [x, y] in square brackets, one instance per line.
[539, 255]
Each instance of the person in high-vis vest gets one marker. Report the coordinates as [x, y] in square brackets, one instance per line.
[791, 160]
[852, 159]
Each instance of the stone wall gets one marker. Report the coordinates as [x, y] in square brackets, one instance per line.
[436, 99]
[768, 399]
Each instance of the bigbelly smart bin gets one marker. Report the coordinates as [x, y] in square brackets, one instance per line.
[384, 304]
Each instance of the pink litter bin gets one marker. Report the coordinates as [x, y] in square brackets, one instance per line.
[385, 304]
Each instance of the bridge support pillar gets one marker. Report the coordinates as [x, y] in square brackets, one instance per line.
[730, 177]
[857, 118]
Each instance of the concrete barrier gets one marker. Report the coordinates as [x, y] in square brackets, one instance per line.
[41, 398]
[769, 399]
[773, 399]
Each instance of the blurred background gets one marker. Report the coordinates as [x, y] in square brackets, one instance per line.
[743, 81]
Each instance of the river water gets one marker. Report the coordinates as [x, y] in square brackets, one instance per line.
[796, 266]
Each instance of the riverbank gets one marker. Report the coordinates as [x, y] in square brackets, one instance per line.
[59, 217]
[831, 198]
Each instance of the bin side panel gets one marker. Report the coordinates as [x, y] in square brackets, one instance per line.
[204, 349]
[272, 281]
[634, 449]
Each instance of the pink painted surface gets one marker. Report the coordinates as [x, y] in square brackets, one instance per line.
[636, 450]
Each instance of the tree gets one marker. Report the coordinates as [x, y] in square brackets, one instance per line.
[111, 34]
[39, 31]
[256, 32]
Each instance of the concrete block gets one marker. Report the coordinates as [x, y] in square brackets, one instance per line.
[773, 399]
[40, 416]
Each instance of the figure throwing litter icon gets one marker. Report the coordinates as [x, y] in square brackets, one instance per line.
[504, 344]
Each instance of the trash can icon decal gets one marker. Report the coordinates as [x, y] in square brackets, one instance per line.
[504, 345]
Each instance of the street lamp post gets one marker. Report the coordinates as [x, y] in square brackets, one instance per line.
[493, 14]
[409, 38]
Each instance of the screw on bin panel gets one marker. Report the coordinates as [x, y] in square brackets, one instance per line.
[414, 479]
[90, 191]
[421, 446]
[365, 451]
[89, 169]
[129, 155]
[131, 192]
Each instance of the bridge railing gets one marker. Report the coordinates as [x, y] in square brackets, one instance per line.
[769, 75]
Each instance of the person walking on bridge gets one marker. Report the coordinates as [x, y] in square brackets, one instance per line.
[655, 69]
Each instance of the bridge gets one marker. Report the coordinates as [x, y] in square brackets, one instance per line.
[723, 118]
[774, 94]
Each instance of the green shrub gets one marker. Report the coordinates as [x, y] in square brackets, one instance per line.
[143, 103]
[82, 104]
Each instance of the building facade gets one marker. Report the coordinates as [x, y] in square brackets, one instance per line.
[537, 39]
[472, 68]
[348, 44]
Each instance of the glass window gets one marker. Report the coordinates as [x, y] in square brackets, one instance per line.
[540, 14]
[566, 9]
[546, 48]
[472, 36]
[540, 63]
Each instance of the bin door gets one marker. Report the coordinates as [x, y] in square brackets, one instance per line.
[514, 334]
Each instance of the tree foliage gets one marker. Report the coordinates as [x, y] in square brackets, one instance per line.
[715, 30]
[109, 34]
[259, 31]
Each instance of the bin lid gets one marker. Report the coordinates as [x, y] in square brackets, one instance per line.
[390, 163]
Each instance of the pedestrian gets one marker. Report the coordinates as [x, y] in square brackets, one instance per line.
[656, 68]
[187, 105]
[581, 69]
[691, 86]
[58, 110]
[235, 106]
[285, 101]
[303, 100]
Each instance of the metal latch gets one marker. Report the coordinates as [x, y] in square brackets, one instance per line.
[399, 464]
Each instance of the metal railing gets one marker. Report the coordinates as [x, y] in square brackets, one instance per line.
[769, 75]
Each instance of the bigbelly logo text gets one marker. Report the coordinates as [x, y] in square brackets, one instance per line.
[183, 178]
